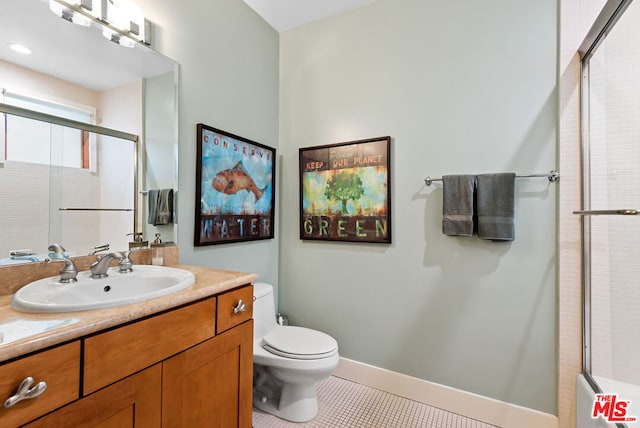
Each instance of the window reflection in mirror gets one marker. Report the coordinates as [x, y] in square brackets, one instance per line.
[26, 140]
[55, 198]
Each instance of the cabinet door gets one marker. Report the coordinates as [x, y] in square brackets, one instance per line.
[131, 402]
[210, 384]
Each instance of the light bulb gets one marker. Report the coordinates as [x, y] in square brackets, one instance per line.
[117, 38]
[68, 14]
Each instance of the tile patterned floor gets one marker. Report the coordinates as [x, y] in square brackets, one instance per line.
[345, 404]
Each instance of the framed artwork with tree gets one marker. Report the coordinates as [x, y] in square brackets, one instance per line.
[345, 191]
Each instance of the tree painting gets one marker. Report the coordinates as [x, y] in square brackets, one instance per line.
[345, 193]
[343, 186]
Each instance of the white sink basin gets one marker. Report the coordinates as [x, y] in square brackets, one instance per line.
[144, 283]
[17, 329]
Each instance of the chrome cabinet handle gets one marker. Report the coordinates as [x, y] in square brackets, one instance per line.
[240, 307]
[26, 391]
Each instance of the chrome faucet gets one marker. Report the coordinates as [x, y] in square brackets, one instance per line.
[99, 267]
[69, 272]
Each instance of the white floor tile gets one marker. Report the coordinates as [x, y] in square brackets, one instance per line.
[345, 404]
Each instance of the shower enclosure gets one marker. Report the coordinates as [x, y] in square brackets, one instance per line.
[611, 225]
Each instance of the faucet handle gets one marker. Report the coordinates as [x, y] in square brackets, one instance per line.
[57, 251]
[126, 264]
[103, 247]
[56, 248]
[69, 273]
[127, 253]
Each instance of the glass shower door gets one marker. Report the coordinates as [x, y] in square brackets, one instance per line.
[611, 125]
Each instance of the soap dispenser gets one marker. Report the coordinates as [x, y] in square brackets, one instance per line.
[157, 251]
[137, 241]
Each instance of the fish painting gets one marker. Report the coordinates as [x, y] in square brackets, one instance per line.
[231, 181]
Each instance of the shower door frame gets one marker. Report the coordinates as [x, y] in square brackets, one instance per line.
[607, 19]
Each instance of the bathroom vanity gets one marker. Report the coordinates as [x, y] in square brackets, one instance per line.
[183, 360]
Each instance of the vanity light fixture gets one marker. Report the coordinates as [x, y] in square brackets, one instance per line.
[117, 38]
[87, 8]
[68, 14]
[127, 17]
[21, 49]
[122, 21]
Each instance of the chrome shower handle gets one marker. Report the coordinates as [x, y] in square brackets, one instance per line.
[240, 307]
[26, 391]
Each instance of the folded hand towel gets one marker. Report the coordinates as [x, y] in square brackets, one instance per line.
[152, 199]
[495, 199]
[457, 204]
[160, 206]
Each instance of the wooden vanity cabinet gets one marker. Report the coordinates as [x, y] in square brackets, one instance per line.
[131, 402]
[210, 385]
[168, 370]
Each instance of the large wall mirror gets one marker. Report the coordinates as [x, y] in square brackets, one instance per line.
[88, 131]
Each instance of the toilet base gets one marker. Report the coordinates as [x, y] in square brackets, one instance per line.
[295, 402]
[298, 403]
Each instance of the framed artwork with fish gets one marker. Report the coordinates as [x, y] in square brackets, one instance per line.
[235, 196]
[345, 192]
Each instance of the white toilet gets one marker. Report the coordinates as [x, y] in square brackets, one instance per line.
[287, 362]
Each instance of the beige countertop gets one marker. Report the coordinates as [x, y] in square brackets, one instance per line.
[72, 325]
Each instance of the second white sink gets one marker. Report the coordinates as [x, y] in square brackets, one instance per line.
[144, 283]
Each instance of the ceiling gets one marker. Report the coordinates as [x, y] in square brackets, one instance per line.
[58, 45]
[284, 15]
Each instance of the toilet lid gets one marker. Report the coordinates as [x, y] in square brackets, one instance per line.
[299, 343]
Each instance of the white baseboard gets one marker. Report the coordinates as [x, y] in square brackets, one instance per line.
[474, 406]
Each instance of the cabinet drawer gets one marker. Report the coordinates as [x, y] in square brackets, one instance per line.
[228, 315]
[115, 354]
[59, 367]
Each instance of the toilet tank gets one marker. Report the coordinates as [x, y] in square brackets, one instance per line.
[264, 310]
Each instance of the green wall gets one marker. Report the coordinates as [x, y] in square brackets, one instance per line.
[462, 87]
[228, 59]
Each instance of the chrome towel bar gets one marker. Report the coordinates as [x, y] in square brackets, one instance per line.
[552, 176]
[608, 212]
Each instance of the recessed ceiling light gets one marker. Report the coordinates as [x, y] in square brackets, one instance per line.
[20, 48]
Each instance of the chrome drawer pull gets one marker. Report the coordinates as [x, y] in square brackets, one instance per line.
[240, 307]
[25, 391]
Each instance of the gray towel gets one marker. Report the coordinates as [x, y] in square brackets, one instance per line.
[495, 199]
[165, 207]
[152, 199]
[160, 206]
[457, 204]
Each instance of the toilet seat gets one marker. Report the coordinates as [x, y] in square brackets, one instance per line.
[299, 343]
